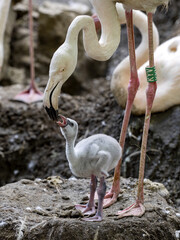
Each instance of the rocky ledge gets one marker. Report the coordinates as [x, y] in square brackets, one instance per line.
[44, 209]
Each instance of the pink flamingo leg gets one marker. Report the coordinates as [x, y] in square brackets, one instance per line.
[101, 193]
[111, 197]
[138, 209]
[89, 209]
[32, 94]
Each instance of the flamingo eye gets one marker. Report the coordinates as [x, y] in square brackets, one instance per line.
[72, 124]
[62, 70]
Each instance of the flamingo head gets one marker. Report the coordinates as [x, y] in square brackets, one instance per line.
[69, 127]
[61, 67]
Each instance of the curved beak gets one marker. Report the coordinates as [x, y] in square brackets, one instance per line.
[51, 99]
[62, 122]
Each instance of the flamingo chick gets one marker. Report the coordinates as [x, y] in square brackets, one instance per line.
[92, 157]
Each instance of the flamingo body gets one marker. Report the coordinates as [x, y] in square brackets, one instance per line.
[167, 61]
[144, 5]
[97, 154]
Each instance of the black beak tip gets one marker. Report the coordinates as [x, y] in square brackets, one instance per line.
[53, 114]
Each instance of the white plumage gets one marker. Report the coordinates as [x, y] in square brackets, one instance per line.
[144, 5]
[92, 157]
[97, 154]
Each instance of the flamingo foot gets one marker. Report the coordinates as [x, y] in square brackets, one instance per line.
[29, 96]
[109, 199]
[95, 218]
[87, 211]
[137, 209]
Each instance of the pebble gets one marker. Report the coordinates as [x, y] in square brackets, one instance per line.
[2, 224]
[85, 198]
[177, 234]
[65, 198]
[28, 209]
[26, 181]
[76, 214]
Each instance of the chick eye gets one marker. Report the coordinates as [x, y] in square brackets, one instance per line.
[72, 124]
[62, 70]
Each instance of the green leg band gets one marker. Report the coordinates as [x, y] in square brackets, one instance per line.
[151, 74]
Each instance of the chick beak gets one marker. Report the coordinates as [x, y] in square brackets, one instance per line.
[62, 122]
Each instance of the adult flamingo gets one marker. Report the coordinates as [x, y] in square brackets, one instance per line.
[32, 94]
[64, 59]
[136, 209]
[4, 10]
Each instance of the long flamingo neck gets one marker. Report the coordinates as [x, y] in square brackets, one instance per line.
[70, 151]
[78, 24]
[101, 49]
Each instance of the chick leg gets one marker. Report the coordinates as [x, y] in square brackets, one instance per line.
[89, 208]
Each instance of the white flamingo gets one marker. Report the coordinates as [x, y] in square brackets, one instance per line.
[92, 157]
[4, 11]
[64, 59]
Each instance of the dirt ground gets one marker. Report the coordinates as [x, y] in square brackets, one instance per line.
[44, 209]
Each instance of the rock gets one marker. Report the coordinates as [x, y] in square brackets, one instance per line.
[21, 7]
[16, 75]
[33, 210]
[20, 58]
